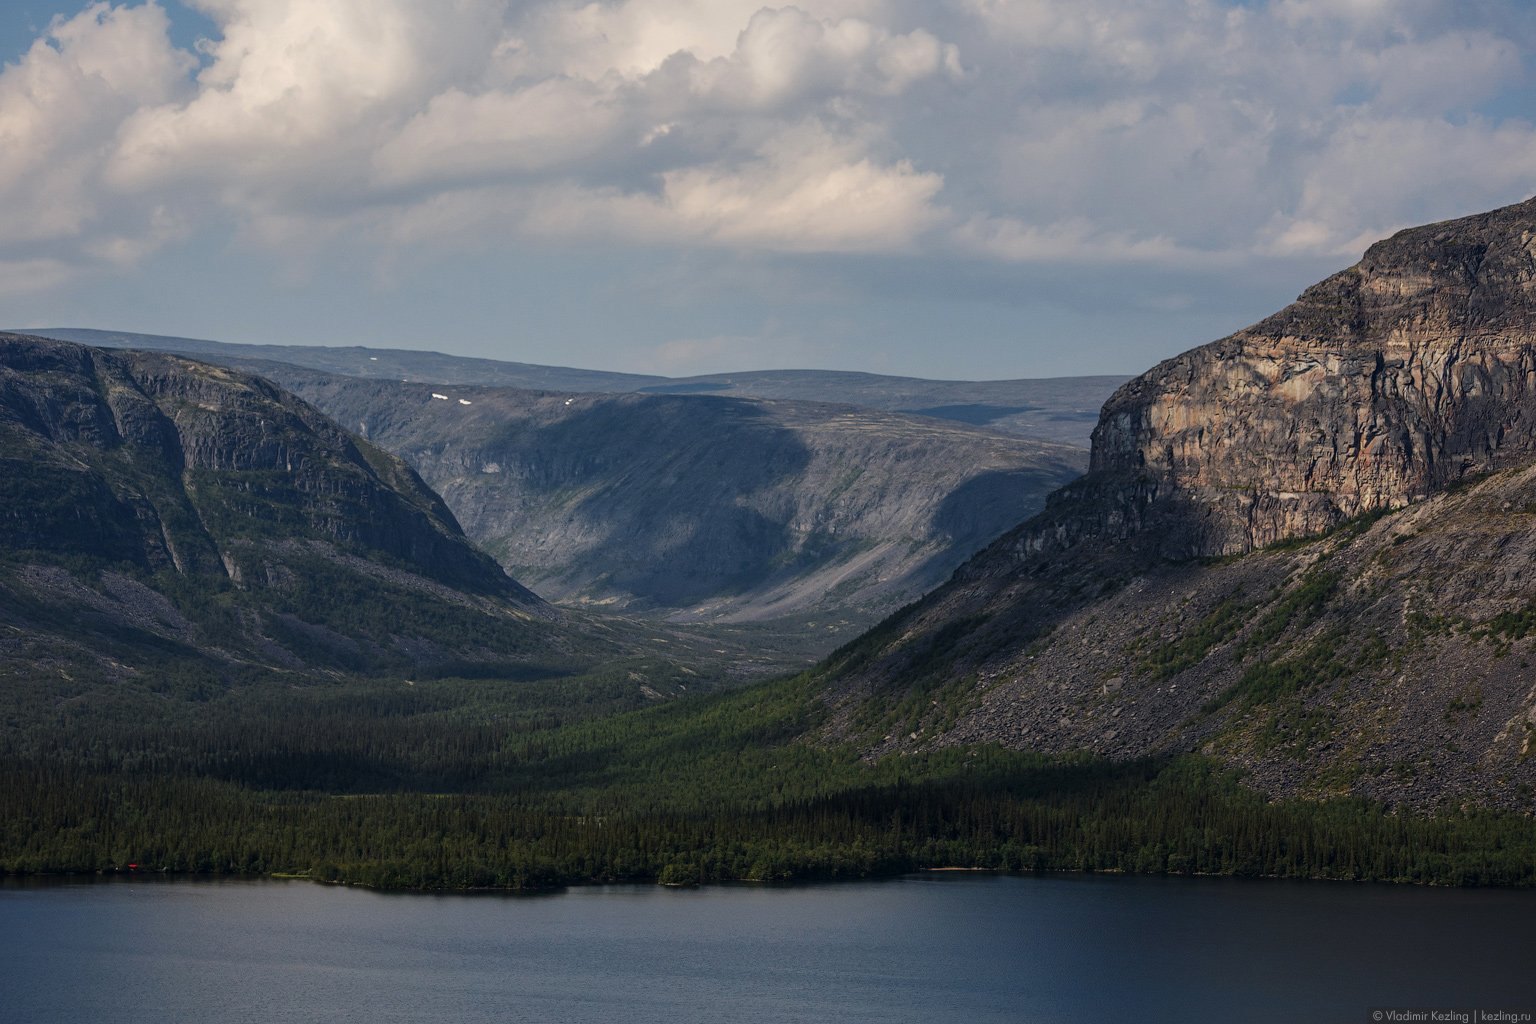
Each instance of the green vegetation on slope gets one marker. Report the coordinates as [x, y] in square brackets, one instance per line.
[704, 788]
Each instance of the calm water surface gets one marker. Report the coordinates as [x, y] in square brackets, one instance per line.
[923, 948]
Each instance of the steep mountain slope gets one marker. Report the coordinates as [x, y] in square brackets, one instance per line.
[1135, 615]
[702, 508]
[1062, 409]
[170, 519]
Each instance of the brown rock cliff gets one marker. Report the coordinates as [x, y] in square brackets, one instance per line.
[1413, 368]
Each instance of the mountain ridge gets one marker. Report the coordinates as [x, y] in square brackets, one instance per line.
[1061, 409]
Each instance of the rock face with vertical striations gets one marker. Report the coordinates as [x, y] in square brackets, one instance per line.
[1378, 386]
[169, 455]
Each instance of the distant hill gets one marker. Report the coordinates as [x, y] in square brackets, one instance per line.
[1062, 409]
[700, 507]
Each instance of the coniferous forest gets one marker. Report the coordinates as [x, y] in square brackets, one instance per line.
[425, 788]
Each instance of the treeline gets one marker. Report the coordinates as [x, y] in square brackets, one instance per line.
[1177, 816]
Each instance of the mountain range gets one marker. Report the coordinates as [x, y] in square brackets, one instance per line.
[170, 518]
[203, 513]
[178, 532]
[1303, 551]
[699, 507]
[1060, 409]
[690, 506]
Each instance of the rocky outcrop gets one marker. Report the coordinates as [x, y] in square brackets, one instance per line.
[1390, 659]
[1414, 368]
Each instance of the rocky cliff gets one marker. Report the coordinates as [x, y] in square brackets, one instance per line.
[163, 509]
[1412, 369]
[1305, 549]
[172, 457]
[700, 507]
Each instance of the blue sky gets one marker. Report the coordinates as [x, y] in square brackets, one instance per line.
[965, 188]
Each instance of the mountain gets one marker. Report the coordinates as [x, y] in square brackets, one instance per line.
[1061, 409]
[702, 508]
[1305, 549]
[173, 522]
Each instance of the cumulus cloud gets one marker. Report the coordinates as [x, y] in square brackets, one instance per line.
[802, 191]
[1170, 132]
[550, 124]
[60, 107]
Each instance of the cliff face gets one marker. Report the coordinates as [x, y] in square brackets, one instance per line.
[1382, 427]
[161, 517]
[1378, 386]
[174, 460]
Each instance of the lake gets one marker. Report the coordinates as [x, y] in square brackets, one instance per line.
[939, 947]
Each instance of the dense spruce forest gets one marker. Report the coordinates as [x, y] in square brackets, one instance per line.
[440, 784]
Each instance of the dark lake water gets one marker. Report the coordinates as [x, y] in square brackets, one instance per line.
[948, 947]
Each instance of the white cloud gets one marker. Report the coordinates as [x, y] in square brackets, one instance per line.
[1360, 186]
[298, 91]
[805, 192]
[549, 124]
[783, 54]
[801, 190]
[60, 107]
[1178, 132]
[635, 37]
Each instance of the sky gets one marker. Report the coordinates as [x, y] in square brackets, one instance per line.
[963, 189]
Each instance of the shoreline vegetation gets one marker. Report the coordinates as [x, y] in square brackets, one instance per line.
[721, 787]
